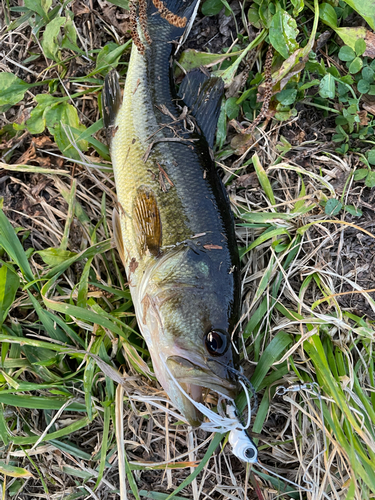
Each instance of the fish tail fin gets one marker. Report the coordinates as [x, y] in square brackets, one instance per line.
[161, 20]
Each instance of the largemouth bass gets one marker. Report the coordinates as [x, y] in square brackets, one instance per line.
[174, 227]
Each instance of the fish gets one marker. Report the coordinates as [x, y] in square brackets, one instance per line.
[173, 225]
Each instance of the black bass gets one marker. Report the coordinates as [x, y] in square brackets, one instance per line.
[174, 227]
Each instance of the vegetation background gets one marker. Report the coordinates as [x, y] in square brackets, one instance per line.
[73, 367]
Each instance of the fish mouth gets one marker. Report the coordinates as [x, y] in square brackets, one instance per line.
[194, 378]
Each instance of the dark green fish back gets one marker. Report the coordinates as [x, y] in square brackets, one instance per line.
[188, 163]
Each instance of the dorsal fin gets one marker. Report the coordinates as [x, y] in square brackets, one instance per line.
[111, 103]
[146, 221]
[203, 95]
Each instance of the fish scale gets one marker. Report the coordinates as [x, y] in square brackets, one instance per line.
[174, 226]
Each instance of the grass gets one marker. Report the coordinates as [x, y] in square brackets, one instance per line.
[81, 413]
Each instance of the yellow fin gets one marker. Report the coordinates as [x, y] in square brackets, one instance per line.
[117, 235]
[146, 221]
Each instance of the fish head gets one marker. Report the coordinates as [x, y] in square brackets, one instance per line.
[187, 321]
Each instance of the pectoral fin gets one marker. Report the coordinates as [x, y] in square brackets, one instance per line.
[203, 95]
[111, 103]
[146, 221]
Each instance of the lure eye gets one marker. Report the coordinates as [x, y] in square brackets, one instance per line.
[216, 342]
[250, 454]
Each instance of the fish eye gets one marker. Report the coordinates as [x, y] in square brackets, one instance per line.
[216, 342]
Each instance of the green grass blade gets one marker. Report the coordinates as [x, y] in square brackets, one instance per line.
[104, 444]
[12, 246]
[213, 445]
[69, 218]
[9, 283]
[39, 402]
[267, 235]
[49, 324]
[263, 179]
[65, 431]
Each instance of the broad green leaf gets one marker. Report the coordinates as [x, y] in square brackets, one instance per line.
[212, 7]
[365, 8]
[9, 283]
[371, 156]
[51, 43]
[37, 123]
[231, 108]
[283, 33]
[363, 86]
[298, 6]
[109, 56]
[360, 174]
[92, 251]
[10, 470]
[328, 15]
[287, 96]
[356, 212]
[46, 5]
[370, 180]
[368, 74]
[55, 256]
[12, 89]
[298, 57]
[360, 47]
[346, 53]
[350, 35]
[15, 487]
[69, 40]
[253, 16]
[40, 7]
[356, 65]
[327, 87]
[63, 123]
[284, 113]
[333, 207]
